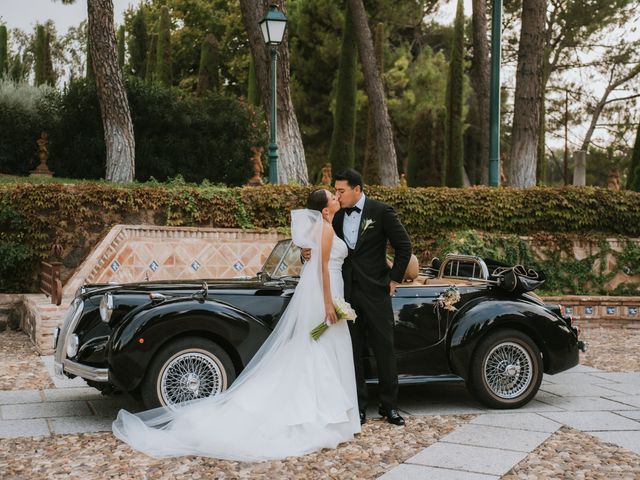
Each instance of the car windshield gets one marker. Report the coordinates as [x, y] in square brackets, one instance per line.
[284, 260]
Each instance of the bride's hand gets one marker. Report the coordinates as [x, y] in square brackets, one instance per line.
[331, 315]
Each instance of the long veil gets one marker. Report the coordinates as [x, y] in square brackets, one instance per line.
[165, 432]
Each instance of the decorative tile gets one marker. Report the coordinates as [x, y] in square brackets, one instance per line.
[611, 310]
[632, 311]
[154, 266]
[568, 310]
[238, 266]
[588, 310]
[115, 265]
[195, 265]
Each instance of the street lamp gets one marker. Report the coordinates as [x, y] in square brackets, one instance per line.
[273, 25]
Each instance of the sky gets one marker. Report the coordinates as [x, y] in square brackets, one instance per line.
[25, 14]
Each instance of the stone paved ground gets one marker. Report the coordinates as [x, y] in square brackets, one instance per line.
[444, 418]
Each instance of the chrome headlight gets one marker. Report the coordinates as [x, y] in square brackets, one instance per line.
[106, 307]
[72, 345]
[80, 291]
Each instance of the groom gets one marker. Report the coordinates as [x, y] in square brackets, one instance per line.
[366, 226]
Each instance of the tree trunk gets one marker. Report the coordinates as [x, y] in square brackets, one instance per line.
[292, 166]
[114, 106]
[385, 149]
[371, 165]
[526, 111]
[480, 81]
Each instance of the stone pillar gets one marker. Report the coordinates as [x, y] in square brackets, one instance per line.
[580, 168]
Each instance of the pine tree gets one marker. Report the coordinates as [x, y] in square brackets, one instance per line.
[150, 73]
[455, 158]
[120, 46]
[208, 78]
[633, 179]
[90, 73]
[3, 51]
[253, 90]
[163, 55]
[370, 168]
[138, 44]
[41, 51]
[342, 149]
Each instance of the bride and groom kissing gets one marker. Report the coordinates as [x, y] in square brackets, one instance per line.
[299, 394]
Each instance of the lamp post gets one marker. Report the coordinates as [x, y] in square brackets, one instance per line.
[273, 26]
[494, 101]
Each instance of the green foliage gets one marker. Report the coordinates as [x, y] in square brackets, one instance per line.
[454, 166]
[3, 52]
[633, 178]
[15, 253]
[164, 69]
[138, 43]
[342, 149]
[120, 46]
[50, 76]
[25, 112]
[41, 51]
[199, 137]
[208, 78]
[437, 219]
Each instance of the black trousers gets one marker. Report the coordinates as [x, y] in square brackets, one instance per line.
[374, 327]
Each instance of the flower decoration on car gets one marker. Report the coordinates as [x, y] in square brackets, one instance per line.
[447, 299]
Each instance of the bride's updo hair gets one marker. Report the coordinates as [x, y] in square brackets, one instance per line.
[317, 200]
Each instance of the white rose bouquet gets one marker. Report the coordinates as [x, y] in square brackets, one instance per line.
[344, 311]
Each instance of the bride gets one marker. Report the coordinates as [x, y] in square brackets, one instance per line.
[297, 395]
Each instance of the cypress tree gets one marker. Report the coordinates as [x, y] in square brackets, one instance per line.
[138, 44]
[253, 91]
[420, 149]
[40, 55]
[439, 148]
[163, 56]
[3, 51]
[633, 178]
[209, 60]
[17, 71]
[49, 72]
[342, 149]
[370, 168]
[120, 46]
[455, 158]
[151, 59]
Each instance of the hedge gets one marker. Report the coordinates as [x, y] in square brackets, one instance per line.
[76, 216]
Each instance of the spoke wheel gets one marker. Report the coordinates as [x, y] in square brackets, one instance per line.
[185, 370]
[190, 375]
[506, 369]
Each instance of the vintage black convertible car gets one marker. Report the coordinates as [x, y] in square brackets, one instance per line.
[173, 341]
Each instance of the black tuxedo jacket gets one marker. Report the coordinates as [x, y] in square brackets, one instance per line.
[366, 265]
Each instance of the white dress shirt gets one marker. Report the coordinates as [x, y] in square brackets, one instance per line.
[351, 224]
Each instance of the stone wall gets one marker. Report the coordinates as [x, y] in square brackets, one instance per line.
[601, 310]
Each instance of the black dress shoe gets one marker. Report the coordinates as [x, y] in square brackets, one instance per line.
[363, 417]
[392, 415]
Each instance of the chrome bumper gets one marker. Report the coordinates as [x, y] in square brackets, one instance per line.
[84, 371]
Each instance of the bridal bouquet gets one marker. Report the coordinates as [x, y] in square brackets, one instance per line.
[344, 311]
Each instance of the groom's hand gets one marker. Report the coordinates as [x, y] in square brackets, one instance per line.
[306, 254]
[392, 287]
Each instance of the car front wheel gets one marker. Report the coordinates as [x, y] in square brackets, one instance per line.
[506, 370]
[187, 369]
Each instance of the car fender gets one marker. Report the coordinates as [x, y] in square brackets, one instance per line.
[140, 335]
[483, 315]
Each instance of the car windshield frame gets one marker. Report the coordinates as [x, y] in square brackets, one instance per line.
[283, 261]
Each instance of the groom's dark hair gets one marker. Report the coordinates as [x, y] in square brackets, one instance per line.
[353, 178]
[317, 200]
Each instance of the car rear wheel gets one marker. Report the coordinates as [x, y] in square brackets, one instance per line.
[506, 370]
[187, 369]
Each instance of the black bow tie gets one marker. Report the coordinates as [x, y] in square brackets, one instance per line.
[350, 210]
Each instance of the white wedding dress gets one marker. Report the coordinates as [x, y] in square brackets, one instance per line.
[295, 396]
